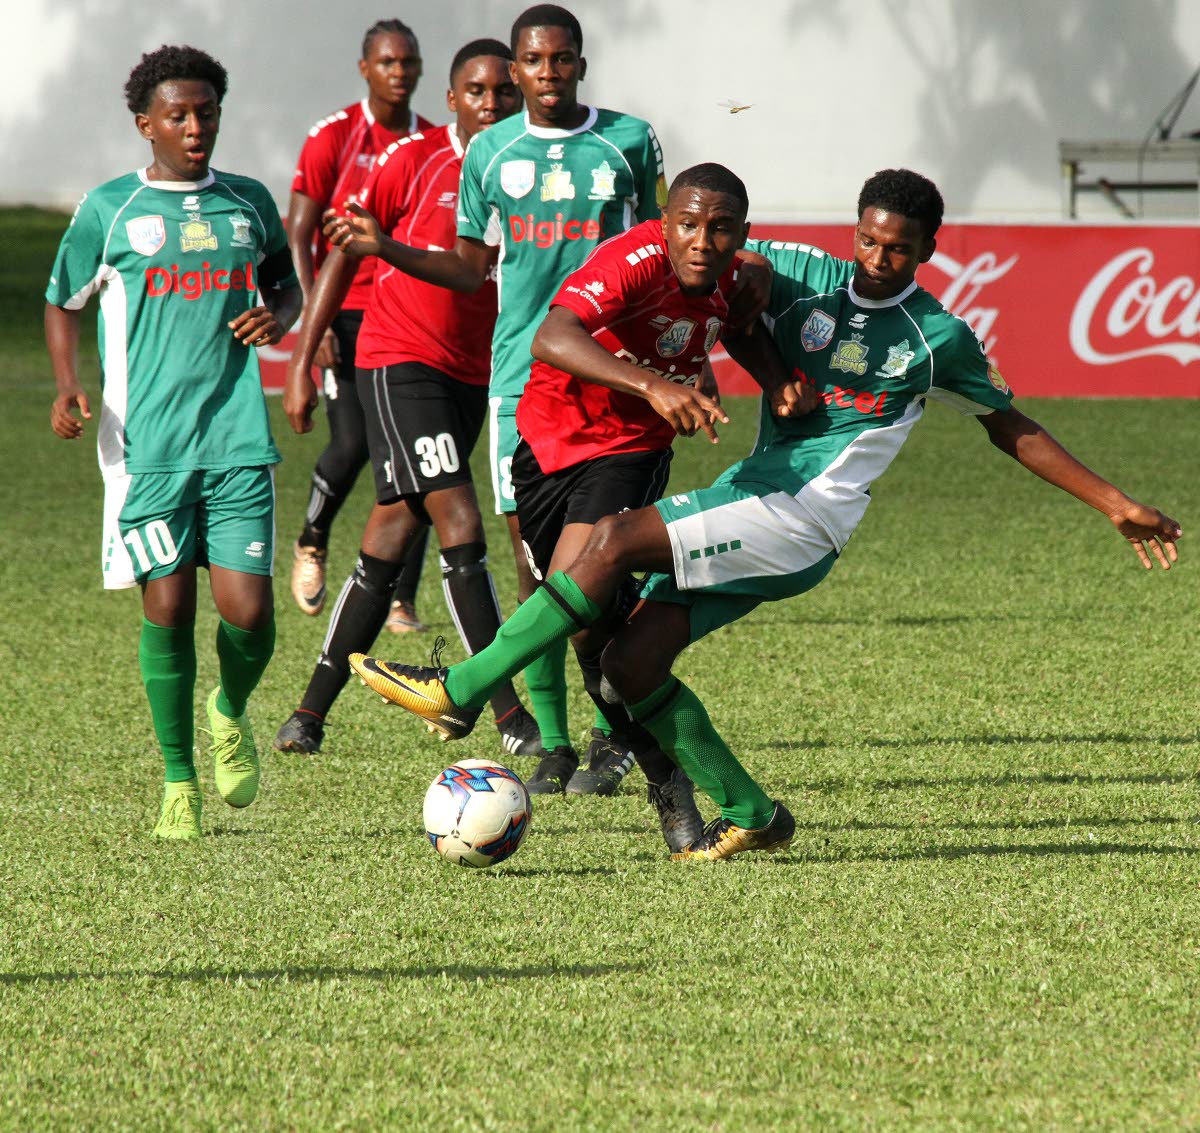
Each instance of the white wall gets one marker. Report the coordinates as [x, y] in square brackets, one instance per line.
[974, 93]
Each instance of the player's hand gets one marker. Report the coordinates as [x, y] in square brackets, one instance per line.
[751, 293]
[706, 383]
[299, 396]
[257, 327]
[687, 410]
[794, 399]
[357, 234]
[328, 355]
[62, 420]
[1149, 533]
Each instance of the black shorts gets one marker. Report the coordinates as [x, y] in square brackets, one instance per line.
[584, 493]
[421, 428]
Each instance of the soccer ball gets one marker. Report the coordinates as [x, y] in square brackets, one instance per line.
[476, 813]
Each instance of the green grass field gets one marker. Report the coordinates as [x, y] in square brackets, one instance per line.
[985, 722]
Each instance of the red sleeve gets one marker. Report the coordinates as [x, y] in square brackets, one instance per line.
[317, 170]
[385, 194]
[601, 288]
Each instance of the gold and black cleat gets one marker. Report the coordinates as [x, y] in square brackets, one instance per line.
[419, 689]
[722, 839]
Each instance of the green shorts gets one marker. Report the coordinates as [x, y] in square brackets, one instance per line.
[156, 522]
[502, 443]
[735, 546]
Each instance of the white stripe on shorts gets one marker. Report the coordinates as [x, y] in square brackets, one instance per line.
[777, 533]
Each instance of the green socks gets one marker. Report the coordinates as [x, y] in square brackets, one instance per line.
[167, 659]
[546, 680]
[243, 655]
[550, 615]
[674, 716]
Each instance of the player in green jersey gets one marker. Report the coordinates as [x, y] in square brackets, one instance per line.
[538, 193]
[176, 252]
[862, 346]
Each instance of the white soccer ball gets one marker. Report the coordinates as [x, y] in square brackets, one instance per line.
[476, 813]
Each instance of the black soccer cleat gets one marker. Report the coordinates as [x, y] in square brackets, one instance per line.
[519, 733]
[608, 763]
[302, 732]
[675, 801]
[553, 772]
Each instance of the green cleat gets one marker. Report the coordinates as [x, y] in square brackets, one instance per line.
[234, 754]
[180, 818]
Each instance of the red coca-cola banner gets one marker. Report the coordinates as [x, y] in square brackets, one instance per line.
[1065, 310]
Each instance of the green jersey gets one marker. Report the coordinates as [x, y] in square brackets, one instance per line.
[874, 362]
[173, 263]
[547, 197]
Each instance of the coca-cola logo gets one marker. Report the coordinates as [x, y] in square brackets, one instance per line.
[1124, 296]
[961, 295]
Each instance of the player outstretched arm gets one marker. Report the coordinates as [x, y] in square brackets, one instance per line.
[1148, 531]
[462, 268]
[62, 340]
[563, 341]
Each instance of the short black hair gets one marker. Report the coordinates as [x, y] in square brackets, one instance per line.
[476, 48]
[713, 177]
[169, 63]
[388, 27]
[907, 193]
[547, 16]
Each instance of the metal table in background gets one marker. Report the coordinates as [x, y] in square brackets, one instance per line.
[1145, 157]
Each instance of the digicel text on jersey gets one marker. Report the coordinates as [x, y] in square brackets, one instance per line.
[192, 284]
[544, 233]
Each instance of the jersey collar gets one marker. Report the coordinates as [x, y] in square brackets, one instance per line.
[876, 304]
[549, 132]
[176, 186]
[370, 118]
[455, 141]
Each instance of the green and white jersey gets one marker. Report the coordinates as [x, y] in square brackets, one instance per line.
[875, 362]
[547, 198]
[173, 263]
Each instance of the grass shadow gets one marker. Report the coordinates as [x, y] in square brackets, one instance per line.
[464, 972]
[983, 741]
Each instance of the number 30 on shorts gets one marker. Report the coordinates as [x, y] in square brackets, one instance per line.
[153, 541]
[437, 455]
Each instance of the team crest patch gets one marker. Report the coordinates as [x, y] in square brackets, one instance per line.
[995, 378]
[899, 356]
[556, 185]
[817, 332]
[604, 183]
[147, 234]
[196, 235]
[673, 341]
[712, 331]
[850, 356]
[241, 230]
[516, 177]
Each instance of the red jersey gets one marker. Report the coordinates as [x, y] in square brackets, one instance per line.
[628, 297]
[334, 163]
[413, 193]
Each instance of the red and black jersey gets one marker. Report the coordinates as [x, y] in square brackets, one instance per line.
[413, 193]
[628, 297]
[335, 161]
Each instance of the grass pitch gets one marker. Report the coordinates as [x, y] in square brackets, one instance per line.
[984, 721]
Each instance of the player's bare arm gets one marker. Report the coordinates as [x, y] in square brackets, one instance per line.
[266, 325]
[563, 341]
[1151, 533]
[752, 292]
[303, 219]
[462, 268]
[62, 340]
[328, 293]
[787, 394]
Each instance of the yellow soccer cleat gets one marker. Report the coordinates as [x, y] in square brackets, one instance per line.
[181, 806]
[235, 758]
[420, 690]
[722, 839]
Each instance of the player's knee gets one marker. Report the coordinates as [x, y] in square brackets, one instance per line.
[609, 543]
[377, 576]
[464, 560]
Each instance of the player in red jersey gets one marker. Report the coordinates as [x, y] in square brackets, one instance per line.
[334, 164]
[617, 359]
[423, 363]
